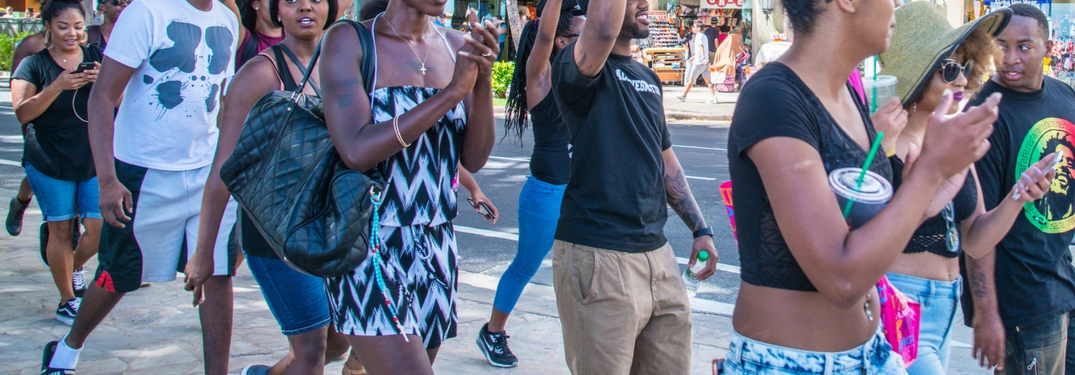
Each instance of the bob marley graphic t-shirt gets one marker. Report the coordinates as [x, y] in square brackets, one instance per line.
[181, 56]
[1034, 274]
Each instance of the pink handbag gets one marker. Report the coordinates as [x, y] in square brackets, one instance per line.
[900, 320]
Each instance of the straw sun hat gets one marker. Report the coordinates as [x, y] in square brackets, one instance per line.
[923, 37]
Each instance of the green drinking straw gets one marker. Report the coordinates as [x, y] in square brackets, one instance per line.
[865, 167]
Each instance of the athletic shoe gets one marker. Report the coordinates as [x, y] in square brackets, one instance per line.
[14, 216]
[255, 370]
[713, 100]
[78, 282]
[46, 359]
[495, 348]
[67, 310]
[681, 98]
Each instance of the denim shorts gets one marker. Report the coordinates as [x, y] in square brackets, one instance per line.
[750, 357]
[60, 199]
[939, 300]
[297, 300]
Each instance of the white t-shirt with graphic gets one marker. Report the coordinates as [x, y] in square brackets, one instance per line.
[181, 56]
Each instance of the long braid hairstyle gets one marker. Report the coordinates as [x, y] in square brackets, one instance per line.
[517, 114]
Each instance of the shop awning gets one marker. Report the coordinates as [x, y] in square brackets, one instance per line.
[725, 4]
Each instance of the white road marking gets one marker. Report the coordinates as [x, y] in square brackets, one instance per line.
[11, 163]
[701, 148]
[515, 237]
[527, 160]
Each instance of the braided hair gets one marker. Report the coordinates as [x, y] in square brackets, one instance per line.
[517, 114]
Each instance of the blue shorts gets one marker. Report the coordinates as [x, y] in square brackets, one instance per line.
[297, 300]
[60, 200]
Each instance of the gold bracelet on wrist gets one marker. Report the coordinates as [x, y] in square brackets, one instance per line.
[399, 137]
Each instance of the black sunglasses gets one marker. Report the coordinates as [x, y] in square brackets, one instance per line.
[118, 3]
[575, 35]
[950, 69]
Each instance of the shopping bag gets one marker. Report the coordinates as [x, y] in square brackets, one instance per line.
[900, 320]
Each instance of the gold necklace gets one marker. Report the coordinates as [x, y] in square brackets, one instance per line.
[420, 60]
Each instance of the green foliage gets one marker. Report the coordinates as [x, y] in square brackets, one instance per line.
[7, 47]
[502, 72]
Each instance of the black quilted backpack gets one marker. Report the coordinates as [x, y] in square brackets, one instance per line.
[286, 173]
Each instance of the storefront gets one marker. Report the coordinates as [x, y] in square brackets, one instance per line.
[670, 20]
[1060, 63]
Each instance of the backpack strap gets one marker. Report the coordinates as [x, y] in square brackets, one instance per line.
[294, 59]
[369, 55]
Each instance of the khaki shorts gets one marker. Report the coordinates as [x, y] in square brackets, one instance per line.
[622, 313]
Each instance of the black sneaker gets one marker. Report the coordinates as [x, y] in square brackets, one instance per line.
[67, 310]
[495, 348]
[78, 282]
[46, 359]
[14, 216]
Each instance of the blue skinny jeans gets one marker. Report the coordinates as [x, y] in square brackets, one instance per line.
[539, 210]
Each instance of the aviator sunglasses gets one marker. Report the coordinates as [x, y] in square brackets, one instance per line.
[950, 70]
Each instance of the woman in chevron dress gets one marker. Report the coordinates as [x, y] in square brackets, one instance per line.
[430, 111]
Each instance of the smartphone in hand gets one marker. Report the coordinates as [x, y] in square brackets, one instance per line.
[483, 209]
[82, 67]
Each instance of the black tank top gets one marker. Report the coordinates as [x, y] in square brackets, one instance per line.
[253, 243]
[551, 161]
[930, 236]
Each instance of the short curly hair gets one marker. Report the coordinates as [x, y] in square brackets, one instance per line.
[980, 47]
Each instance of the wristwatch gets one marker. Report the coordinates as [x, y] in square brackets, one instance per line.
[707, 231]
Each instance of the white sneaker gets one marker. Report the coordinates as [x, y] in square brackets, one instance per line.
[713, 100]
[681, 98]
[78, 282]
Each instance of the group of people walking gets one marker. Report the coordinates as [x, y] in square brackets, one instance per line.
[130, 139]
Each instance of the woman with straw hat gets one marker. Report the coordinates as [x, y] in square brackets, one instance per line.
[808, 302]
[930, 58]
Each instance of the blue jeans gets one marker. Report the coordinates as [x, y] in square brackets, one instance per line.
[939, 301]
[539, 210]
[1040, 348]
[60, 200]
[750, 357]
[298, 301]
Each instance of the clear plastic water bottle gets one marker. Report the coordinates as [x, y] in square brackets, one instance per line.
[690, 275]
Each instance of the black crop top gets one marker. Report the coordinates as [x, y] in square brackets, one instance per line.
[776, 103]
[551, 161]
[930, 236]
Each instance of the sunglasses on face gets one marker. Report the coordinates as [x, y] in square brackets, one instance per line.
[950, 70]
[575, 35]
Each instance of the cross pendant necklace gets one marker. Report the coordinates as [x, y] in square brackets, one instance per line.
[420, 60]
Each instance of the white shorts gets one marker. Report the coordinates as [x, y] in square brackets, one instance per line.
[163, 231]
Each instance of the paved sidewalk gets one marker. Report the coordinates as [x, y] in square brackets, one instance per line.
[156, 331]
[695, 107]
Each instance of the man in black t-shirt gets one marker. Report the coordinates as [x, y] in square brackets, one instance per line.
[622, 304]
[713, 34]
[1024, 292]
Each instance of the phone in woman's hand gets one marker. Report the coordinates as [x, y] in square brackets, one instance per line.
[483, 209]
[84, 67]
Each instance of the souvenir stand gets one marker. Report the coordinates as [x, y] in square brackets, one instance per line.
[662, 51]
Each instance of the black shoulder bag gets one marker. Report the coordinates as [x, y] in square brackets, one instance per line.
[285, 172]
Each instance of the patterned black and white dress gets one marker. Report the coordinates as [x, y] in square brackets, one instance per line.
[419, 258]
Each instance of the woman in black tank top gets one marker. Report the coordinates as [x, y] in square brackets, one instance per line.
[808, 302]
[928, 270]
[297, 300]
[539, 201]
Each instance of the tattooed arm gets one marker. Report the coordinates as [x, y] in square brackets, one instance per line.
[603, 27]
[682, 201]
[988, 328]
